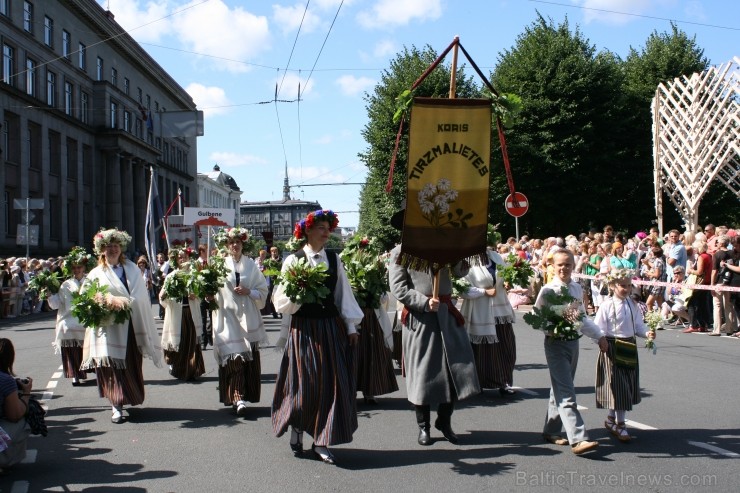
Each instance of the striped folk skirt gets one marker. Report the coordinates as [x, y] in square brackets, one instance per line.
[71, 362]
[240, 380]
[495, 362]
[616, 387]
[375, 374]
[123, 386]
[187, 361]
[315, 388]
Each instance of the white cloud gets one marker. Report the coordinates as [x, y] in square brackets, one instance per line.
[212, 28]
[289, 86]
[384, 48]
[393, 13]
[352, 86]
[289, 18]
[144, 22]
[324, 139]
[234, 160]
[211, 100]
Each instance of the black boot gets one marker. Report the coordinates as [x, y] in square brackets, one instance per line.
[443, 422]
[422, 419]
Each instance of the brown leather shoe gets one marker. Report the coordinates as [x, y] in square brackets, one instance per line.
[555, 439]
[584, 446]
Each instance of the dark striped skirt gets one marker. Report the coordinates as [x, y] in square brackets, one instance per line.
[375, 374]
[315, 388]
[240, 380]
[71, 362]
[616, 387]
[495, 362]
[123, 386]
[187, 361]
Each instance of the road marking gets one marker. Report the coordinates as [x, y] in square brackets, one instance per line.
[30, 457]
[52, 384]
[19, 487]
[581, 408]
[712, 448]
[46, 396]
[639, 426]
[57, 375]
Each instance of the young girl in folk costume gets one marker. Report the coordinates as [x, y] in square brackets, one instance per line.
[238, 330]
[70, 333]
[617, 370]
[115, 350]
[180, 338]
[315, 389]
[488, 318]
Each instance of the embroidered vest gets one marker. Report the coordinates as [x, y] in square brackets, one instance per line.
[327, 308]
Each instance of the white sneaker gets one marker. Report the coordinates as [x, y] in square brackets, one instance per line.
[241, 408]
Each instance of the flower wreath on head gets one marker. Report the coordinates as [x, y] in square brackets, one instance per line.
[618, 275]
[312, 218]
[77, 256]
[226, 235]
[106, 236]
[174, 255]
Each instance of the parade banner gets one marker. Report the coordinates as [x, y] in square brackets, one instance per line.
[448, 181]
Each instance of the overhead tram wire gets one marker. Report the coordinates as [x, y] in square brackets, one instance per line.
[324, 43]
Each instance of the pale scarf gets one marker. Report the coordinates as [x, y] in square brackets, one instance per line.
[69, 331]
[482, 313]
[237, 324]
[172, 327]
[106, 346]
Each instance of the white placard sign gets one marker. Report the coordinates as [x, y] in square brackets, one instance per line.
[208, 216]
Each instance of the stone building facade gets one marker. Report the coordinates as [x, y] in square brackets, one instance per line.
[79, 107]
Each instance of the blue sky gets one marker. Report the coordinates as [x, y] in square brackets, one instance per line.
[230, 55]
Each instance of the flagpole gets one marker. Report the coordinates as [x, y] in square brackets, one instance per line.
[453, 86]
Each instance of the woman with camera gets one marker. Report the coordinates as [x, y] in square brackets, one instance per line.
[14, 396]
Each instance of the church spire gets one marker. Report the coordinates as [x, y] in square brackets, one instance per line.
[286, 185]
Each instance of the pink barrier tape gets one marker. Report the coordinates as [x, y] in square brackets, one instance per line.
[707, 287]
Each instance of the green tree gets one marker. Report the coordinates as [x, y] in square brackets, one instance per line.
[567, 145]
[376, 206]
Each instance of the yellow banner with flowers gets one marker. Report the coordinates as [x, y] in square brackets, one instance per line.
[448, 181]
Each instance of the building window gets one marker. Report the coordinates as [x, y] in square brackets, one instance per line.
[127, 121]
[99, 73]
[8, 64]
[66, 44]
[51, 88]
[4, 10]
[148, 102]
[72, 161]
[28, 17]
[68, 98]
[137, 128]
[113, 115]
[139, 95]
[49, 31]
[55, 153]
[6, 211]
[114, 76]
[126, 86]
[30, 77]
[82, 57]
[83, 107]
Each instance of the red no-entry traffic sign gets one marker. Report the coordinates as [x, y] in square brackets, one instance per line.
[518, 207]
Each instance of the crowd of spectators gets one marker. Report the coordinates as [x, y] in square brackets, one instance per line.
[17, 299]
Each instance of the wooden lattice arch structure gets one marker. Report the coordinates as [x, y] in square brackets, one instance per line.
[696, 121]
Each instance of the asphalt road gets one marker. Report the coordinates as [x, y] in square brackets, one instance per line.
[686, 431]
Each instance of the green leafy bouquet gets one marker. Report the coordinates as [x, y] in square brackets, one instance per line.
[94, 306]
[45, 282]
[204, 280]
[366, 270]
[561, 315]
[271, 267]
[516, 271]
[460, 286]
[653, 320]
[304, 283]
[175, 286]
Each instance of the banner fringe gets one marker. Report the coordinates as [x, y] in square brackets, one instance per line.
[413, 262]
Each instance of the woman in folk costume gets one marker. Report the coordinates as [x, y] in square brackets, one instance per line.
[315, 389]
[488, 318]
[180, 339]
[115, 351]
[368, 276]
[70, 333]
[238, 330]
[617, 380]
